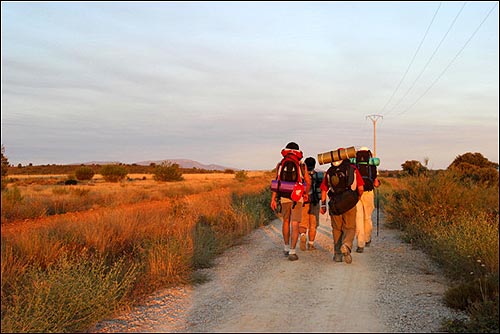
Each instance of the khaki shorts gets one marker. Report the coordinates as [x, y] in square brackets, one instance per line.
[310, 216]
[287, 211]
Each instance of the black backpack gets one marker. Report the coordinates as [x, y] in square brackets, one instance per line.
[315, 192]
[340, 178]
[342, 197]
[368, 171]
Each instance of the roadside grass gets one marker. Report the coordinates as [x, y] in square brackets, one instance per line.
[75, 270]
[456, 223]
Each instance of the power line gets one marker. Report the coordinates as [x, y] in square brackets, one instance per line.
[430, 59]
[451, 62]
[413, 59]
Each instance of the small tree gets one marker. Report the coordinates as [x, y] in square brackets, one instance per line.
[113, 173]
[476, 159]
[167, 171]
[414, 168]
[84, 173]
[5, 165]
[475, 168]
[241, 175]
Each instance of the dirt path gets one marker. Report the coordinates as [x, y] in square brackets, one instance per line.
[254, 288]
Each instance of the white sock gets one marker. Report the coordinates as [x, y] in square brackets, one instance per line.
[292, 251]
[287, 248]
[311, 242]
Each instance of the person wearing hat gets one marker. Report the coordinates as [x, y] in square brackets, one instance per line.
[366, 204]
[310, 210]
[290, 209]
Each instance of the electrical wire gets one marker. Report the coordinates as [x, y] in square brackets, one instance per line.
[450, 63]
[413, 59]
[430, 59]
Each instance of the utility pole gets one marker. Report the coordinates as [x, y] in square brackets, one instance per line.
[374, 119]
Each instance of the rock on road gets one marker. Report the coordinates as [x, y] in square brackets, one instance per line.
[253, 287]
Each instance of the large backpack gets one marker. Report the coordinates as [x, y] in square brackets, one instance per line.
[340, 180]
[289, 181]
[367, 169]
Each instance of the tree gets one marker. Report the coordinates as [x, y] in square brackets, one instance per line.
[476, 159]
[414, 168]
[84, 173]
[5, 162]
[5, 165]
[241, 175]
[475, 168]
[113, 173]
[167, 171]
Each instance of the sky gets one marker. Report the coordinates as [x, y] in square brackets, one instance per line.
[231, 83]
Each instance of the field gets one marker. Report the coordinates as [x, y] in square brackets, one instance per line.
[37, 196]
[73, 254]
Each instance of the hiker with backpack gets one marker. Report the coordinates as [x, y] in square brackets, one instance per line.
[290, 190]
[344, 185]
[310, 210]
[368, 170]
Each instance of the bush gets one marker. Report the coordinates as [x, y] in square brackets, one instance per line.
[5, 165]
[67, 296]
[241, 175]
[455, 220]
[113, 173]
[167, 171]
[84, 173]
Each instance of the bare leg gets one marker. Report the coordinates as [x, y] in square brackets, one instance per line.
[286, 232]
[295, 234]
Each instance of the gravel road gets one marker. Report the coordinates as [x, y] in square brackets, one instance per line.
[391, 287]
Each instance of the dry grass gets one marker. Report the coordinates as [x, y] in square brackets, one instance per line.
[457, 224]
[141, 235]
[40, 196]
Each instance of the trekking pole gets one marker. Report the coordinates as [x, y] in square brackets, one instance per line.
[377, 210]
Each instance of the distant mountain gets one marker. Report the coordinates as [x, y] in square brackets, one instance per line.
[186, 163]
[183, 163]
[97, 163]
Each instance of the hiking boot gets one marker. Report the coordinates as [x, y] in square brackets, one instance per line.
[337, 257]
[347, 253]
[311, 247]
[293, 257]
[367, 244]
[303, 241]
[359, 250]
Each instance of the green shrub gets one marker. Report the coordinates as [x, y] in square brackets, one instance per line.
[167, 171]
[241, 175]
[67, 296]
[5, 165]
[84, 173]
[453, 216]
[113, 173]
[483, 318]
[12, 195]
